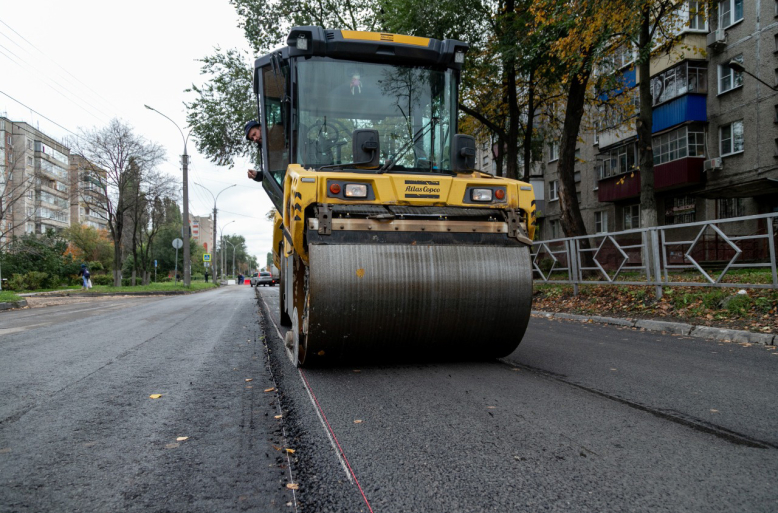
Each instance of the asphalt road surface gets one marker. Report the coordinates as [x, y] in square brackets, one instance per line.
[579, 418]
[79, 430]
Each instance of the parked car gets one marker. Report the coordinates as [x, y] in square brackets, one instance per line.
[262, 278]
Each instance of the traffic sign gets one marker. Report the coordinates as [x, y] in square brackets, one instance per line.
[206, 257]
[178, 243]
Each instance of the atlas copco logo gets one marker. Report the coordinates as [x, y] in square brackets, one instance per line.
[419, 187]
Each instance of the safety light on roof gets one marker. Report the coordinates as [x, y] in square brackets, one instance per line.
[459, 57]
[302, 42]
[356, 190]
[482, 195]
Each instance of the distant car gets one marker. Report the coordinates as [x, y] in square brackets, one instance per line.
[262, 278]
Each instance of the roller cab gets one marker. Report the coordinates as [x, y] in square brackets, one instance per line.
[390, 242]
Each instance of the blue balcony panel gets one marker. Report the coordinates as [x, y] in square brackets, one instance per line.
[690, 107]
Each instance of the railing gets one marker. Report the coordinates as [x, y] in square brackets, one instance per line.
[663, 256]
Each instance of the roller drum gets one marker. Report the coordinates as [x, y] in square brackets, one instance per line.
[399, 301]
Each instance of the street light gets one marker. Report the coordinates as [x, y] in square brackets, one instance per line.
[185, 163]
[214, 209]
[737, 66]
[221, 237]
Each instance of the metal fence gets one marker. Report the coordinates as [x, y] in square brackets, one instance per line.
[703, 254]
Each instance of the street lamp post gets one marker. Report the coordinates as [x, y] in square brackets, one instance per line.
[186, 235]
[738, 67]
[214, 209]
[221, 237]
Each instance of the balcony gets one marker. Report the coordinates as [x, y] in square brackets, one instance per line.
[619, 187]
[690, 107]
[678, 173]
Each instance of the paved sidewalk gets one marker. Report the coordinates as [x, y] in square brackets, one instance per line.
[678, 328]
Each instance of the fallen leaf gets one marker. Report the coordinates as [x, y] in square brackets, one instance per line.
[290, 451]
[269, 389]
[321, 353]
[357, 421]
[172, 446]
[613, 369]
[293, 486]
[182, 438]
[714, 411]
[155, 396]
[249, 386]
[249, 379]
[275, 447]
[491, 407]
[278, 416]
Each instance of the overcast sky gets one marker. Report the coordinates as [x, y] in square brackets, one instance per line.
[81, 63]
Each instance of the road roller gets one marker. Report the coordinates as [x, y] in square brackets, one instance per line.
[391, 241]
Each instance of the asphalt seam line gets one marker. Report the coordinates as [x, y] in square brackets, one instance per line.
[310, 397]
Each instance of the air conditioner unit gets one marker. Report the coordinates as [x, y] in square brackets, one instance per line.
[717, 39]
[713, 164]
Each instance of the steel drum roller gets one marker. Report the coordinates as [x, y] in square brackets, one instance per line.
[368, 301]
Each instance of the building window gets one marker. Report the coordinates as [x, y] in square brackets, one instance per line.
[730, 12]
[730, 207]
[697, 20]
[553, 151]
[631, 217]
[554, 228]
[687, 77]
[679, 144]
[553, 190]
[728, 78]
[682, 210]
[731, 138]
[601, 222]
[618, 161]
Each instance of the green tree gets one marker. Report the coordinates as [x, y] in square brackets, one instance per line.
[89, 244]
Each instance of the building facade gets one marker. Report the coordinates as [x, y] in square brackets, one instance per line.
[202, 231]
[35, 186]
[86, 195]
[715, 131]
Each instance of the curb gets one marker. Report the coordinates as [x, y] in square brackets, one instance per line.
[676, 328]
[10, 305]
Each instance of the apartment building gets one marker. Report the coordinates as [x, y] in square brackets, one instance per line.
[86, 195]
[202, 231]
[715, 131]
[35, 180]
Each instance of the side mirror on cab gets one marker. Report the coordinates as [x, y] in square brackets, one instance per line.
[365, 146]
[463, 153]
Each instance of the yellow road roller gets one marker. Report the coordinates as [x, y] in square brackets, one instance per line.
[390, 241]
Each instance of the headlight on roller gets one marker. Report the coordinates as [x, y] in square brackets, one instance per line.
[481, 195]
[356, 190]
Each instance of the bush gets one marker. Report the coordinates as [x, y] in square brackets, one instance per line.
[102, 279]
[32, 280]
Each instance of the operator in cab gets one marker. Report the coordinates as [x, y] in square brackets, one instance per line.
[254, 134]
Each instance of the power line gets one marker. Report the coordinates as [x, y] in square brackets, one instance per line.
[58, 65]
[41, 115]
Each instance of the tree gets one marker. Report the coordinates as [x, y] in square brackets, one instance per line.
[89, 244]
[116, 159]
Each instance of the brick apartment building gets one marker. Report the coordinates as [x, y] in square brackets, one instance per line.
[34, 180]
[715, 132]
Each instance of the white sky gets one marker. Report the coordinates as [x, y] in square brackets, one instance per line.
[83, 62]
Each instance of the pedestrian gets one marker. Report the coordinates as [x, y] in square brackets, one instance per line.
[240, 279]
[254, 134]
[86, 283]
[206, 276]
